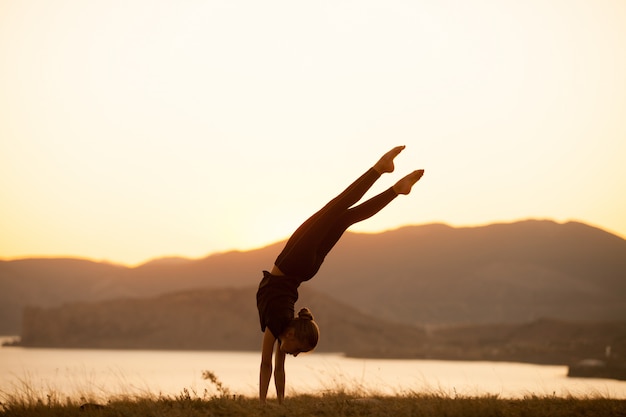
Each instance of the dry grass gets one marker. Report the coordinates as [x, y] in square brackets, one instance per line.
[334, 404]
[218, 401]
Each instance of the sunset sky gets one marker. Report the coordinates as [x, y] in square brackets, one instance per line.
[131, 130]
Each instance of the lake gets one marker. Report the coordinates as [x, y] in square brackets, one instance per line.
[106, 373]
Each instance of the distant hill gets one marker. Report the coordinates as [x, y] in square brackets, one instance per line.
[501, 273]
[226, 319]
[215, 319]
[416, 275]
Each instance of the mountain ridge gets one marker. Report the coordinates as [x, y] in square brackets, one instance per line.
[226, 319]
[417, 275]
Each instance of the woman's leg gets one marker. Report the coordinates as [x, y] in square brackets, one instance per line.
[366, 210]
[305, 251]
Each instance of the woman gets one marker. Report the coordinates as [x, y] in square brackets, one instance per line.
[300, 260]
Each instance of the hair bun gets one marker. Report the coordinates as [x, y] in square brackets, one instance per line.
[305, 314]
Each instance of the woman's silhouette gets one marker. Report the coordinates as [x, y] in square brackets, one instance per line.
[300, 260]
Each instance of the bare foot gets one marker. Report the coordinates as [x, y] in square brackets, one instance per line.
[385, 164]
[404, 185]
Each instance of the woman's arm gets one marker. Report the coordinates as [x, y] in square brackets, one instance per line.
[266, 364]
[279, 374]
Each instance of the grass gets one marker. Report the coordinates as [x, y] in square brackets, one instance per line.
[219, 402]
[334, 404]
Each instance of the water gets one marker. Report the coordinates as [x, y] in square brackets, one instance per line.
[106, 373]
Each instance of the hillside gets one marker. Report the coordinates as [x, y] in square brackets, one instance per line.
[226, 319]
[214, 319]
[498, 273]
[416, 275]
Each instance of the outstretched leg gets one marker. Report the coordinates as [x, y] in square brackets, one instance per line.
[357, 189]
[305, 250]
[366, 210]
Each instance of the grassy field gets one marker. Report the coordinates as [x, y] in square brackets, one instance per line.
[219, 401]
[333, 404]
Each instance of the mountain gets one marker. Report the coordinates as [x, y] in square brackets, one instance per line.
[226, 319]
[210, 319]
[52, 282]
[498, 273]
[416, 275]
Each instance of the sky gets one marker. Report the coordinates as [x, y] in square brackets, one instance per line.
[136, 129]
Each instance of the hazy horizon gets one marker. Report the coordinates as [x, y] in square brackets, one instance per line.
[185, 257]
